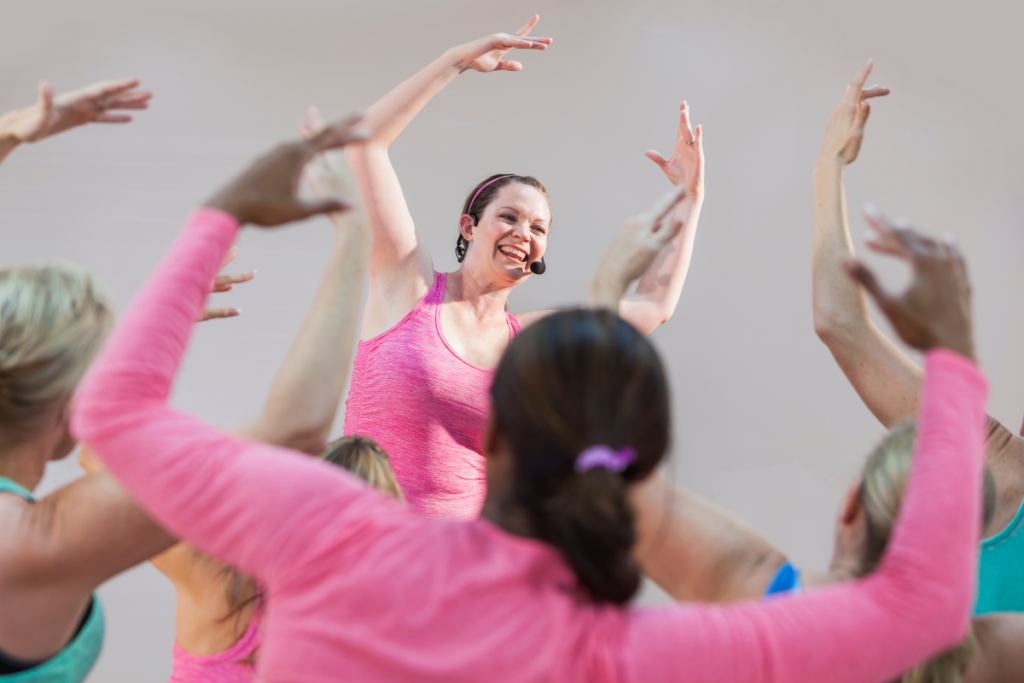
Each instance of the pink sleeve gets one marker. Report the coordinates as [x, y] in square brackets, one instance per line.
[916, 604]
[255, 506]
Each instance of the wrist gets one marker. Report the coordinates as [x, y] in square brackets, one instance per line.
[829, 165]
[454, 60]
[8, 140]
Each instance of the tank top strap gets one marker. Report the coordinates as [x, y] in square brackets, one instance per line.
[8, 486]
[435, 297]
[513, 325]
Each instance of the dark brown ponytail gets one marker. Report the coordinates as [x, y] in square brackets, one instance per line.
[570, 381]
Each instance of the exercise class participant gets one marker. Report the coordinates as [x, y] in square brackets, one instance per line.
[431, 340]
[885, 379]
[537, 588]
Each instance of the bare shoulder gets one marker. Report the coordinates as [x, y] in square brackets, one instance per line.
[13, 511]
[527, 319]
[1005, 457]
[998, 657]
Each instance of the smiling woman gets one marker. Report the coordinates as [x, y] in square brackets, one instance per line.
[431, 340]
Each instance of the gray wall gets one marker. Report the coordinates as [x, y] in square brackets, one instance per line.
[765, 423]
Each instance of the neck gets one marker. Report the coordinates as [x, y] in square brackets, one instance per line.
[25, 463]
[484, 298]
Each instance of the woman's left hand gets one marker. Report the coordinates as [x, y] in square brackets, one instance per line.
[96, 103]
[686, 165]
[225, 283]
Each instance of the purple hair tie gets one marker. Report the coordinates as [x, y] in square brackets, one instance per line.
[484, 186]
[603, 456]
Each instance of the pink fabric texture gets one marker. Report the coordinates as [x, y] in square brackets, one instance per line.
[361, 589]
[427, 408]
[228, 666]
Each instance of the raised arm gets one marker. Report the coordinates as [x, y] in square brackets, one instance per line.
[918, 602]
[697, 551]
[303, 400]
[52, 115]
[401, 270]
[886, 380]
[257, 507]
[658, 290]
[638, 245]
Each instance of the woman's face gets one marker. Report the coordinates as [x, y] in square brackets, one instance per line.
[511, 234]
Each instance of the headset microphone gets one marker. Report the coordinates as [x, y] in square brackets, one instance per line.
[538, 267]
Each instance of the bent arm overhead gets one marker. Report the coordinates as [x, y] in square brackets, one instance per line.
[253, 505]
[883, 376]
[401, 269]
[916, 604]
[304, 397]
[657, 293]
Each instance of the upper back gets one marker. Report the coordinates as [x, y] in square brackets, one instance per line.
[439, 601]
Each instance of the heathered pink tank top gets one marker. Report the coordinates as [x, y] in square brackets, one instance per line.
[234, 665]
[427, 408]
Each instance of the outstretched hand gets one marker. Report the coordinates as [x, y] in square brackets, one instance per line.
[635, 248]
[328, 174]
[844, 132]
[225, 283]
[265, 194]
[486, 53]
[686, 165]
[93, 104]
[935, 310]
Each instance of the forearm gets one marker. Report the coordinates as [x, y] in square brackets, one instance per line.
[657, 293]
[304, 398]
[839, 303]
[389, 116]
[883, 376]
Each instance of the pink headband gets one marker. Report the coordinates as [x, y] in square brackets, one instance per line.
[603, 456]
[482, 187]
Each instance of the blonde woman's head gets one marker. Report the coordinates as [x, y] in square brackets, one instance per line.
[881, 494]
[53, 320]
[364, 457]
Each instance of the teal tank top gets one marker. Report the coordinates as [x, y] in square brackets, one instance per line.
[73, 663]
[1001, 569]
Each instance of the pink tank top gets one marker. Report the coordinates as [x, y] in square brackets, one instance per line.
[427, 408]
[235, 665]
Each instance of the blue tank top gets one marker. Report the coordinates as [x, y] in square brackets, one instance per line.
[73, 663]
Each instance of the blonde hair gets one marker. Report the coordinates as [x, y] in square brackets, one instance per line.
[365, 458]
[883, 483]
[53, 320]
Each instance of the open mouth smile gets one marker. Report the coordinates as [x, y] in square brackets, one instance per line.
[514, 253]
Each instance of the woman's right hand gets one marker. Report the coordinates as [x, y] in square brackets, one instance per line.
[486, 53]
[265, 194]
[935, 310]
[844, 132]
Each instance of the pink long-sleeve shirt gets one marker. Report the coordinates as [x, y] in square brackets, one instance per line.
[360, 589]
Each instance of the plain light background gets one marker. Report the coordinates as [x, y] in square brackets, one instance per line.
[766, 424]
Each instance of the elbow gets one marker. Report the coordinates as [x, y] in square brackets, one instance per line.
[832, 329]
